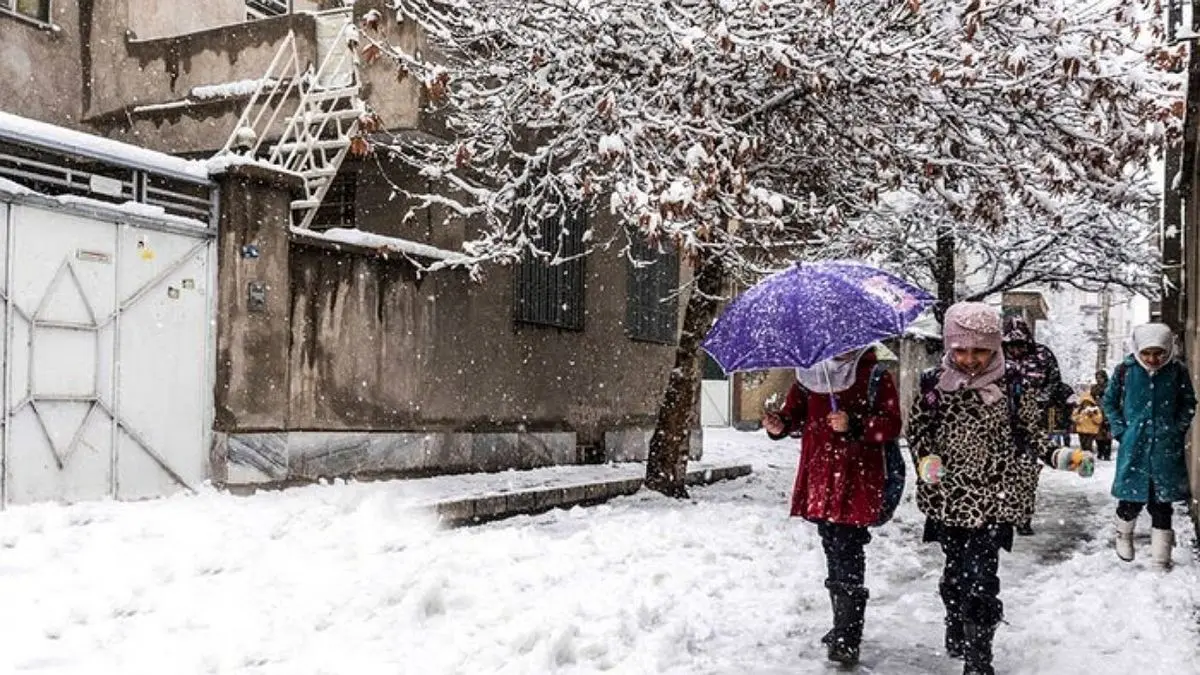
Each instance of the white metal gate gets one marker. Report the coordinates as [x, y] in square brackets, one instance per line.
[715, 407]
[106, 356]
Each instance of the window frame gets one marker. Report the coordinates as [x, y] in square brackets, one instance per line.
[535, 280]
[338, 202]
[652, 293]
[9, 8]
[254, 13]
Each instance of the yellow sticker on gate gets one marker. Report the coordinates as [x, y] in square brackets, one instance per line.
[144, 250]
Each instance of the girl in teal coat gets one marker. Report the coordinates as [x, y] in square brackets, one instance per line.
[1149, 403]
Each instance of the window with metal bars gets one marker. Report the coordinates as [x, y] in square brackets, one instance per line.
[550, 290]
[337, 208]
[261, 9]
[652, 306]
[38, 10]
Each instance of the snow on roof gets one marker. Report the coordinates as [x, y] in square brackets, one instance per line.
[925, 327]
[231, 89]
[137, 209]
[9, 187]
[32, 132]
[151, 211]
[342, 235]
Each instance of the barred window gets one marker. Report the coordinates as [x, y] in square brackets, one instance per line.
[652, 308]
[261, 9]
[337, 208]
[551, 293]
[34, 9]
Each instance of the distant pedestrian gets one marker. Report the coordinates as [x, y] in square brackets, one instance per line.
[1088, 419]
[841, 477]
[977, 438]
[1104, 438]
[1150, 403]
[1043, 380]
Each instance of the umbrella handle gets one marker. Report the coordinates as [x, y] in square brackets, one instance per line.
[829, 385]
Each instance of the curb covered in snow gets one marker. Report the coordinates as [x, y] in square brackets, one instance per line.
[477, 510]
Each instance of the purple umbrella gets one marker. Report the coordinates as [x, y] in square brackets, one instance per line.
[811, 312]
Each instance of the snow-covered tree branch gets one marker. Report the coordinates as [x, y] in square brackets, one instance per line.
[751, 132]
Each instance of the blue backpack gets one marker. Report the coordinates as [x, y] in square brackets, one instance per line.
[893, 457]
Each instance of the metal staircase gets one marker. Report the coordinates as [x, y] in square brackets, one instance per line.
[314, 139]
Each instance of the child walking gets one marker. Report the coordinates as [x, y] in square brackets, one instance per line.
[1150, 403]
[841, 477]
[1089, 421]
[978, 442]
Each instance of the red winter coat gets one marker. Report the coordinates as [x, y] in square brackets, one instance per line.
[841, 475]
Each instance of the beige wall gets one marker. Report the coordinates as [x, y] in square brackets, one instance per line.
[397, 101]
[149, 19]
[374, 348]
[753, 390]
[147, 54]
[354, 341]
[252, 365]
[39, 68]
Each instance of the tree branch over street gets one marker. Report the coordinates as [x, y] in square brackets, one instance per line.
[748, 132]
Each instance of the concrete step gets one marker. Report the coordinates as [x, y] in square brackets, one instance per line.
[477, 510]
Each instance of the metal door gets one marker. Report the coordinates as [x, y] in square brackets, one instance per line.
[107, 366]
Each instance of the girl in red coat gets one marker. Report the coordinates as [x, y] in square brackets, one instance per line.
[840, 482]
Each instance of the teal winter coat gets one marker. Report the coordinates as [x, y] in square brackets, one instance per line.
[1151, 422]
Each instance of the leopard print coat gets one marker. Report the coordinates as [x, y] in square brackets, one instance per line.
[986, 479]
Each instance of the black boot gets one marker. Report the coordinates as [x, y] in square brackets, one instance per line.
[828, 638]
[849, 606]
[977, 652]
[954, 621]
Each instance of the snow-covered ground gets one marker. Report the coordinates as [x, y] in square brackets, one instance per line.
[347, 579]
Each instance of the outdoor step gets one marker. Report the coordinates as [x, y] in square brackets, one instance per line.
[305, 204]
[331, 94]
[319, 173]
[477, 510]
[327, 144]
[315, 117]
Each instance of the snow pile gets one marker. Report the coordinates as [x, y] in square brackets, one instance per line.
[14, 188]
[222, 162]
[343, 235]
[131, 208]
[344, 579]
[230, 89]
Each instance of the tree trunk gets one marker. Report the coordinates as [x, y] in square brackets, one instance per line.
[666, 467]
[945, 271]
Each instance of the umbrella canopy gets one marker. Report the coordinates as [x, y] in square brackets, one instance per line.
[811, 312]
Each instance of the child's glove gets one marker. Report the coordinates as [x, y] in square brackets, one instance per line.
[1079, 461]
[929, 469]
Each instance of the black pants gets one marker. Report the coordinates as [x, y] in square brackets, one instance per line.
[970, 585]
[1160, 512]
[1104, 447]
[1085, 442]
[844, 555]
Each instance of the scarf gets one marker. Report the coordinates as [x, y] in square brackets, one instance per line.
[972, 325]
[831, 375]
[987, 382]
[1149, 336]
